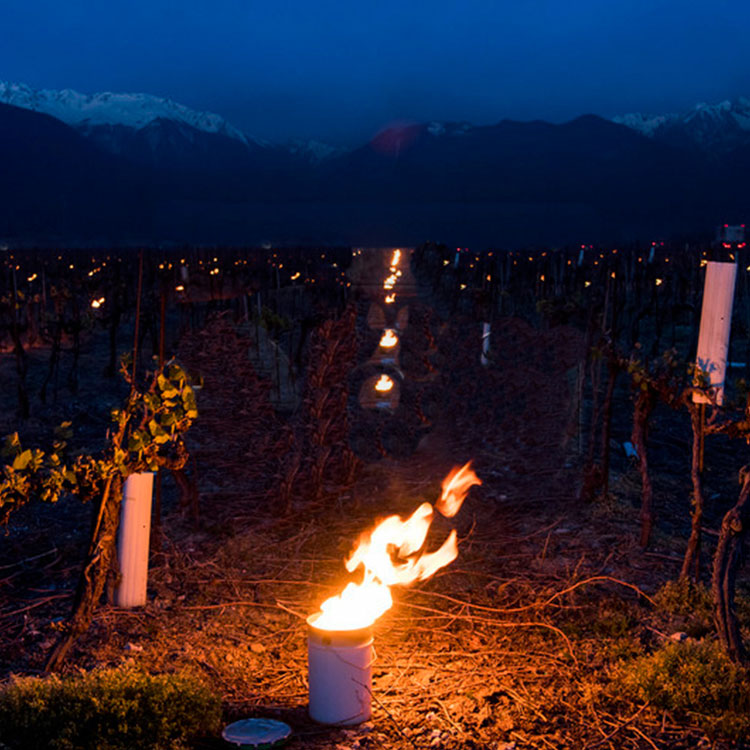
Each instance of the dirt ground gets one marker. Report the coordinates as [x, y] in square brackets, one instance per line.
[512, 646]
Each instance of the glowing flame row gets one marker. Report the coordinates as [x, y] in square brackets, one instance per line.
[391, 280]
[392, 554]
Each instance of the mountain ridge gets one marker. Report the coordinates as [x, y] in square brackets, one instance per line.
[510, 183]
[712, 127]
[719, 127]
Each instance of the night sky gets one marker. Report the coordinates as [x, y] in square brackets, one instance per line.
[341, 70]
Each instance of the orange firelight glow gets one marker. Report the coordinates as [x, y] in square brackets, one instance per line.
[391, 554]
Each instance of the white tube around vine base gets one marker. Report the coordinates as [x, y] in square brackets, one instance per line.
[340, 674]
[133, 539]
[716, 324]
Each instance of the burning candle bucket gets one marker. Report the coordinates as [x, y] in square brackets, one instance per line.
[339, 674]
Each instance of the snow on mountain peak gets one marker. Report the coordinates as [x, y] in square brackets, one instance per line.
[438, 129]
[313, 150]
[644, 124]
[707, 125]
[106, 108]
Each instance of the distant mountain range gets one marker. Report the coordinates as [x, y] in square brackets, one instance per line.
[717, 128]
[137, 168]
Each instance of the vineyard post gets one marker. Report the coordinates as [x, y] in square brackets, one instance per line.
[613, 370]
[77, 326]
[20, 353]
[57, 302]
[44, 291]
[691, 561]
[137, 313]
[155, 538]
[644, 405]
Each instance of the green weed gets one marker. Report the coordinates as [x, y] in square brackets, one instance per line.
[110, 709]
[694, 678]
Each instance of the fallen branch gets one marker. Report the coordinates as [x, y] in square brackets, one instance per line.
[618, 728]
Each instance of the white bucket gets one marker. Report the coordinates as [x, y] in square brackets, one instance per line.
[339, 674]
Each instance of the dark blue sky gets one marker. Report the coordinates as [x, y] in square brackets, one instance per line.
[340, 70]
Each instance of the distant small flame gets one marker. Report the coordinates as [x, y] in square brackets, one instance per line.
[97, 303]
[391, 554]
[388, 339]
[384, 384]
[390, 299]
[179, 288]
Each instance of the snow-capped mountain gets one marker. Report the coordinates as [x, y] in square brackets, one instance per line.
[154, 131]
[438, 129]
[314, 151]
[87, 111]
[135, 166]
[144, 129]
[712, 127]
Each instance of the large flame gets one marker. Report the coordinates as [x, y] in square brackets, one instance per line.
[393, 554]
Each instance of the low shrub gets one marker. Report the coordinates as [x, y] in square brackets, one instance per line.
[695, 678]
[108, 709]
[684, 597]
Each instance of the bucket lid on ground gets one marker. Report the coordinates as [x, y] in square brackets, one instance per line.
[257, 733]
